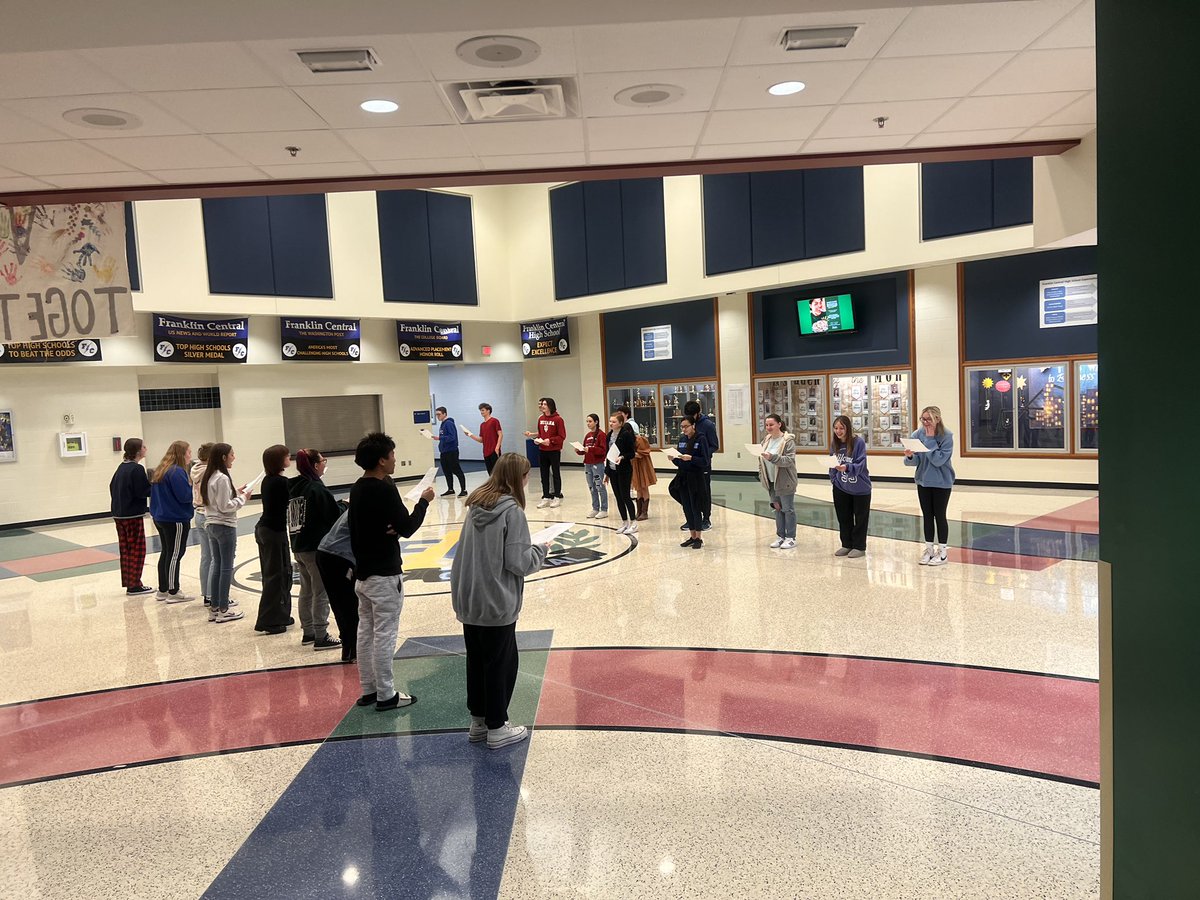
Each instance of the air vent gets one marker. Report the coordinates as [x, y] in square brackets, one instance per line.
[817, 38]
[514, 100]
[356, 60]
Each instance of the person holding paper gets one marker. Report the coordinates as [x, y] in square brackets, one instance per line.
[595, 446]
[687, 487]
[487, 587]
[935, 478]
[271, 535]
[707, 430]
[618, 468]
[312, 510]
[221, 505]
[777, 473]
[550, 436]
[171, 511]
[490, 435]
[129, 490]
[851, 488]
[448, 450]
[197, 472]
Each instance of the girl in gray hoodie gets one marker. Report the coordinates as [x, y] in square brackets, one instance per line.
[487, 585]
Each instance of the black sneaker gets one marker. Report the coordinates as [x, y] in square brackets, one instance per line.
[326, 643]
[462, 493]
[684, 527]
[706, 526]
[307, 638]
[398, 701]
[449, 493]
[273, 629]
[139, 591]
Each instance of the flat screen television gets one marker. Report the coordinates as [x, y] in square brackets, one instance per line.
[825, 315]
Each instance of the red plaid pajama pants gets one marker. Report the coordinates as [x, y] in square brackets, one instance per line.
[131, 543]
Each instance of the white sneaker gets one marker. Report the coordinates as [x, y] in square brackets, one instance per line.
[939, 558]
[556, 502]
[927, 555]
[505, 735]
[776, 544]
[632, 528]
[788, 544]
[212, 614]
[603, 514]
[543, 503]
[478, 731]
[230, 615]
[592, 514]
[624, 525]
[161, 595]
[181, 597]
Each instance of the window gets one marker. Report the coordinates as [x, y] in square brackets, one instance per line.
[1019, 407]
[330, 424]
[1087, 406]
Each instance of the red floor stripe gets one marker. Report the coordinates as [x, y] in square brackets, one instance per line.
[1078, 518]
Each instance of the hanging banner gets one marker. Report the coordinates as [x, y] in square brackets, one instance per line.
[549, 338]
[62, 272]
[180, 339]
[429, 341]
[320, 339]
[86, 350]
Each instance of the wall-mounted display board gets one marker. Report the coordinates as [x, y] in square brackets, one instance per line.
[329, 340]
[549, 338]
[802, 403]
[1020, 407]
[878, 404]
[429, 341]
[1067, 302]
[179, 339]
[1087, 405]
[8, 438]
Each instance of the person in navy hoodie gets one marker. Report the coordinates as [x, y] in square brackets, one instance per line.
[851, 488]
[935, 478]
[448, 451]
[129, 490]
[707, 430]
[171, 509]
[687, 487]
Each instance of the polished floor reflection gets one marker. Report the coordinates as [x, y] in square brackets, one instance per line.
[733, 722]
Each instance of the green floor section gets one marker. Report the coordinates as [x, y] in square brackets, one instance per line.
[22, 544]
[440, 686]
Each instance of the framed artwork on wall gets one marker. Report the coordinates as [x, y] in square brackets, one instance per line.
[8, 441]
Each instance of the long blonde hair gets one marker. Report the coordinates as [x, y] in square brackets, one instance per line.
[174, 456]
[507, 480]
[937, 415]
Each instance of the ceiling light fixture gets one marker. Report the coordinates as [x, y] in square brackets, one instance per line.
[784, 88]
[817, 38]
[642, 95]
[379, 106]
[108, 119]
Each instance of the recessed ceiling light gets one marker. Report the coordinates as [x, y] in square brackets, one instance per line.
[379, 106]
[649, 95]
[498, 51]
[786, 87]
[110, 119]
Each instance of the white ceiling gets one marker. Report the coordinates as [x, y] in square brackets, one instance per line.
[225, 110]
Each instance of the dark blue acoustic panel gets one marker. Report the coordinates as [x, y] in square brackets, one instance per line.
[643, 231]
[1012, 192]
[693, 342]
[834, 212]
[131, 250]
[237, 243]
[569, 238]
[776, 217]
[956, 198]
[604, 236]
[404, 246]
[300, 246]
[727, 246]
[452, 249]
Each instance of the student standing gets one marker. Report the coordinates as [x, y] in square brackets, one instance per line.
[378, 519]
[221, 505]
[311, 512]
[274, 560]
[707, 429]
[687, 487]
[487, 584]
[550, 436]
[197, 472]
[171, 510]
[129, 490]
[851, 488]
[777, 473]
[935, 479]
[335, 562]
[448, 451]
[491, 435]
[595, 445]
[620, 473]
[643, 476]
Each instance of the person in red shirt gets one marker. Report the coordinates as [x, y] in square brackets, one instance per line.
[550, 436]
[491, 435]
[595, 446]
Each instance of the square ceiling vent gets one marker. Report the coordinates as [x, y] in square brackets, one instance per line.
[514, 100]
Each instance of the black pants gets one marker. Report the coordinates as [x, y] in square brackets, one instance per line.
[490, 461]
[933, 510]
[687, 489]
[338, 577]
[491, 671]
[451, 467]
[706, 499]
[551, 476]
[622, 482]
[853, 513]
[174, 537]
[275, 564]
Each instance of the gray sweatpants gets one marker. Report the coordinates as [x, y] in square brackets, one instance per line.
[380, 599]
[313, 602]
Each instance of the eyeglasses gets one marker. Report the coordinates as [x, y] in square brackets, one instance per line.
[927, 420]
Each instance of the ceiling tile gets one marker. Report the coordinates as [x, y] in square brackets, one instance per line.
[649, 155]
[741, 151]
[397, 61]
[535, 161]
[974, 27]
[654, 45]
[1081, 112]
[1077, 30]
[268, 148]
[1056, 132]
[181, 67]
[184, 151]
[426, 166]
[745, 87]
[1013, 111]
[320, 170]
[48, 74]
[421, 103]
[56, 157]
[14, 128]
[9, 173]
[523, 138]
[1041, 71]
[758, 39]
[597, 91]
[49, 112]
[965, 138]
[903, 117]
[418, 142]
[230, 174]
[630, 132]
[734, 126]
[21, 184]
[922, 78]
[101, 180]
[855, 144]
[437, 52]
[239, 110]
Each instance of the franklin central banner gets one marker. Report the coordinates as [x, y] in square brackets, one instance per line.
[320, 339]
[186, 340]
[63, 274]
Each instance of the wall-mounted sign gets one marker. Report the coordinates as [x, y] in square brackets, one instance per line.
[8, 438]
[182, 339]
[1068, 301]
[86, 350]
[549, 338]
[429, 341]
[319, 339]
[656, 343]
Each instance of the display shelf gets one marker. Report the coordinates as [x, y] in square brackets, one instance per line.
[642, 400]
[676, 395]
[802, 404]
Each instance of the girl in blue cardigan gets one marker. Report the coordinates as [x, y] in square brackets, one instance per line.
[935, 478]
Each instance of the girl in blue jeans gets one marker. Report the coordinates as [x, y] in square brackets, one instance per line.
[595, 445]
[221, 505]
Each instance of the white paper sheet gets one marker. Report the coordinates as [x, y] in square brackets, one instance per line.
[671, 452]
[466, 430]
[257, 478]
[914, 445]
[426, 482]
[614, 455]
[826, 462]
[578, 446]
[547, 535]
[755, 449]
[425, 432]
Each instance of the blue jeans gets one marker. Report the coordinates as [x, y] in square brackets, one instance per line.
[785, 515]
[205, 554]
[594, 473]
[223, 541]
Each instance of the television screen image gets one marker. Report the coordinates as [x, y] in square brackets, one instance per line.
[825, 315]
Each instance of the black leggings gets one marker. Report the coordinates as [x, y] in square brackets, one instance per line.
[933, 510]
[853, 514]
[451, 467]
[622, 482]
[338, 577]
[551, 476]
[492, 664]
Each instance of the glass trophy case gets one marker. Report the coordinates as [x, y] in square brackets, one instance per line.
[675, 396]
[878, 405]
[642, 400]
[1018, 408]
[1087, 406]
[801, 402]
